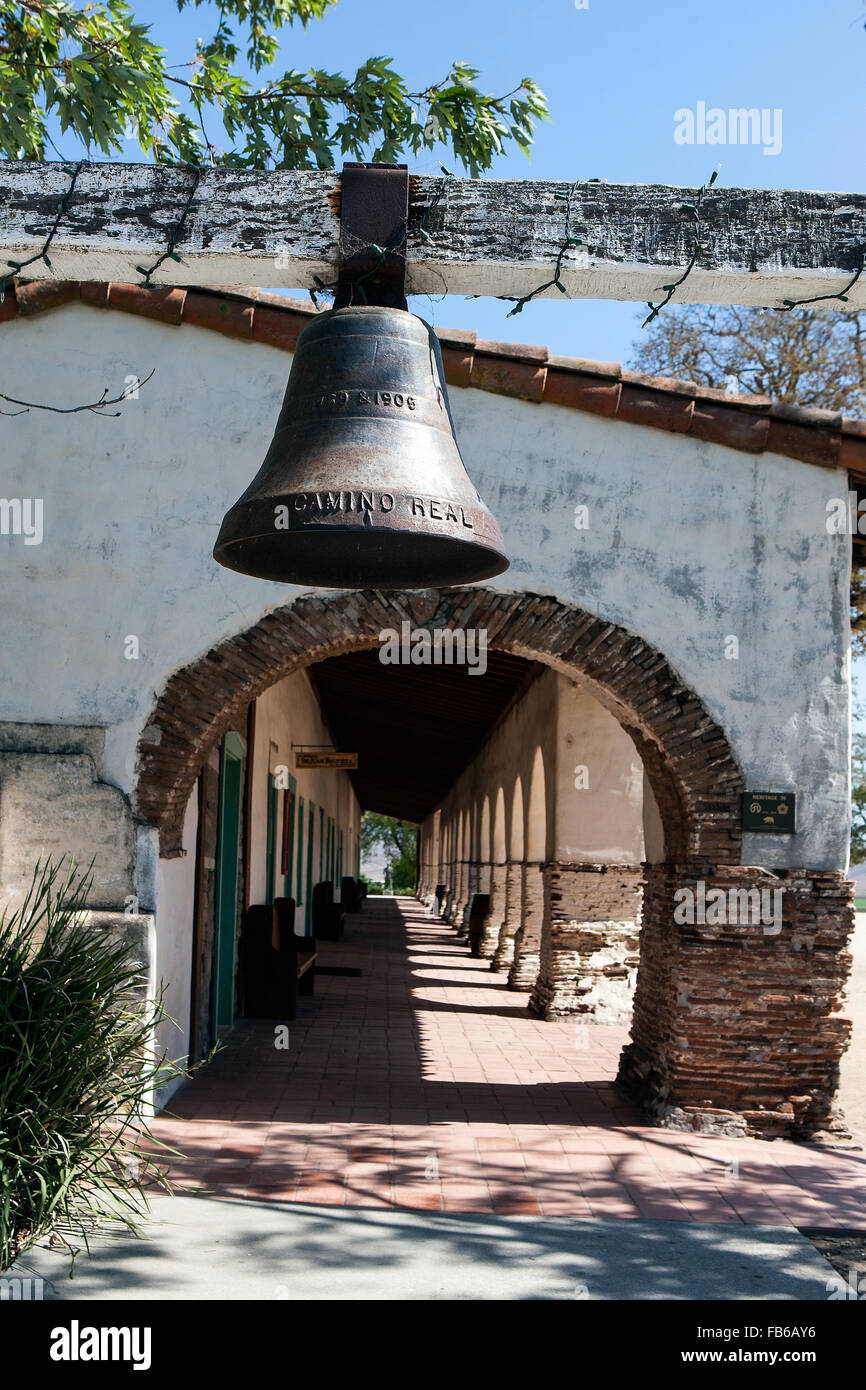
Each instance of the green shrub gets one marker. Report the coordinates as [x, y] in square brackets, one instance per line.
[76, 1069]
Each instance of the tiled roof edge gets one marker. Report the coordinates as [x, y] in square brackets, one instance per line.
[752, 424]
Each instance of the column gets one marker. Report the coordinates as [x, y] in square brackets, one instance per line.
[496, 913]
[527, 939]
[738, 1021]
[589, 941]
[503, 956]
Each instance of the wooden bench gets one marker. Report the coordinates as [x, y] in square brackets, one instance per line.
[477, 912]
[328, 916]
[304, 947]
[276, 965]
[351, 894]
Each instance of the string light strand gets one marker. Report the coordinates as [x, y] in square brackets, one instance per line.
[694, 211]
[42, 255]
[176, 232]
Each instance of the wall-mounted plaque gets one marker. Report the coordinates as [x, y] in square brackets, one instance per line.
[770, 811]
[326, 758]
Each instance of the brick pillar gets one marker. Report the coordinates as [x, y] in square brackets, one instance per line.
[461, 896]
[527, 938]
[484, 870]
[496, 915]
[449, 878]
[471, 889]
[589, 941]
[738, 1025]
[504, 953]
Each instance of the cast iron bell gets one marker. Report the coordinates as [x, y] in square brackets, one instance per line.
[363, 484]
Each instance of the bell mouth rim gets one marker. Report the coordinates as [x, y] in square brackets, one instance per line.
[418, 561]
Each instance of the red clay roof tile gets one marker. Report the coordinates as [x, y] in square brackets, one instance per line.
[508, 377]
[720, 423]
[164, 304]
[39, 295]
[226, 313]
[649, 405]
[580, 391]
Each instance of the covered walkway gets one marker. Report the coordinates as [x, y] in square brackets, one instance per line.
[424, 1083]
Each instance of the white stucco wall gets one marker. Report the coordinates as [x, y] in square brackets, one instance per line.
[599, 811]
[529, 728]
[599, 821]
[289, 713]
[688, 544]
[174, 938]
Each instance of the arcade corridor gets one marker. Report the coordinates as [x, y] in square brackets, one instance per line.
[424, 1083]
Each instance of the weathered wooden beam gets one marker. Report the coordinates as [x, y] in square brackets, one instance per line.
[484, 237]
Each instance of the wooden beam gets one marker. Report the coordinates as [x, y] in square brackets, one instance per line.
[486, 237]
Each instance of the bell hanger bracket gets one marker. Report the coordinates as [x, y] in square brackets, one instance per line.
[374, 216]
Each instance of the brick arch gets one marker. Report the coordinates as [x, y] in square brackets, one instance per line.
[689, 762]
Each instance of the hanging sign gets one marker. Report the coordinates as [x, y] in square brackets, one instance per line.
[770, 811]
[325, 757]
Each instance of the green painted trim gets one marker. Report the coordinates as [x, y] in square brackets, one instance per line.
[299, 895]
[287, 878]
[271, 843]
[311, 829]
[232, 752]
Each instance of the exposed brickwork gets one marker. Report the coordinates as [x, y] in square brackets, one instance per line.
[695, 779]
[527, 939]
[504, 953]
[462, 896]
[471, 889]
[450, 894]
[496, 916]
[589, 942]
[753, 424]
[736, 1027]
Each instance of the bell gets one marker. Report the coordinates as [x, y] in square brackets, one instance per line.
[363, 485]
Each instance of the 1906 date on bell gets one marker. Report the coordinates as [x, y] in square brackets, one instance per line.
[395, 398]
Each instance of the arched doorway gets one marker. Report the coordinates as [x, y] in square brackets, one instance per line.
[695, 781]
[690, 766]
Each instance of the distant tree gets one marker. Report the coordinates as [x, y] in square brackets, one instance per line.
[399, 841]
[803, 358]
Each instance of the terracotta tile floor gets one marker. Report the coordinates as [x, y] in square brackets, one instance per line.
[424, 1083]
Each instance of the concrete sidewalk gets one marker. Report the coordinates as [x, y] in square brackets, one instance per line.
[204, 1248]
